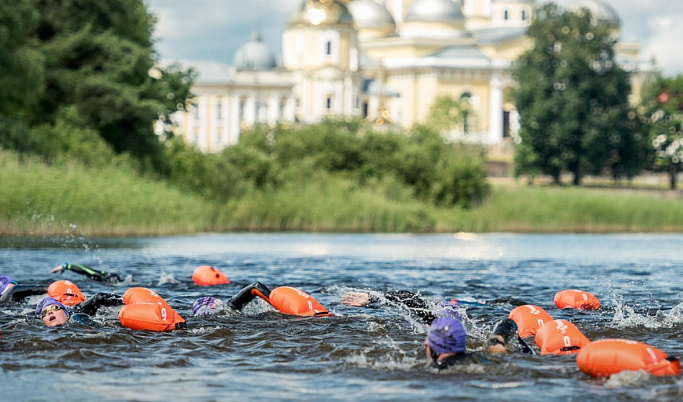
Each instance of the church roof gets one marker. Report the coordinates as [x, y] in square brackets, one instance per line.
[372, 87]
[498, 34]
[254, 55]
[469, 52]
[368, 14]
[434, 11]
[321, 13]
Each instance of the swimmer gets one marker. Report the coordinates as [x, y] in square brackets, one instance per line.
[55, 314]
[446, 344]
[100, 276]
[210, 305]
[503, 338]
[10, 291]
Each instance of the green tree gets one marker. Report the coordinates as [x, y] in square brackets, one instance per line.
[448, 114]
[21, 72]
[663, 104]
[572, 97]
[99, 57]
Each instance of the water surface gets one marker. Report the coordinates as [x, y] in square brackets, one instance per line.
[370, 353]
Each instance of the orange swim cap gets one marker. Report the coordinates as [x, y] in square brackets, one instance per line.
[66, 292]
[209, 276]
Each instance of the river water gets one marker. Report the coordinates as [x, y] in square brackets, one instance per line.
[372, 353]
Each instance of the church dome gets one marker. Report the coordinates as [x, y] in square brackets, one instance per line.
[321, 13]
[367, 14]
[599, 10]
[254, 55]
[434, 11]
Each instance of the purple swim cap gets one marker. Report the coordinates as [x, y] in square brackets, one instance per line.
[447, 335]
[205, 305]
[5, 281]
[452, 309]
[49, 301]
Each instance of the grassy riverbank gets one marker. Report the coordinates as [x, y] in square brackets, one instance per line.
[39, 200]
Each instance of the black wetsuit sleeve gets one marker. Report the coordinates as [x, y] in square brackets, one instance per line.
[238, 301]
[20, 292]
[98, 300]
[100, 276]
[415, 303]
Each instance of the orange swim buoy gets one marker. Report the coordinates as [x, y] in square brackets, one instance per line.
[150, 317]
[529, 319]
[578, 299]
[209, 276]
[143, 295]
[66, 292]
[293, 301]
[560, 337]
[606, 357]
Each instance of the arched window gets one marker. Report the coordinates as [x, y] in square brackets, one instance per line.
[523, 15]
[505, 15]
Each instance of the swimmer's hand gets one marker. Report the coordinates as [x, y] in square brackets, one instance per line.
[357, 299]
[58, 269]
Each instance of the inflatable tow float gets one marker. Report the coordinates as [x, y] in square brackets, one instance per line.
[529, 319]
[66, 292]
[209, 276]
[292, 301]
[607, 357]
[560, 337]
[577, 299]
[145, 310]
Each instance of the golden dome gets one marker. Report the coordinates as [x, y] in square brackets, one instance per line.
[321, 13]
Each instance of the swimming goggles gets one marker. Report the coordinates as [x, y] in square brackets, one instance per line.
[48, 309]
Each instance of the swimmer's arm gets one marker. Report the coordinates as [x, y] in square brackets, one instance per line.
[98, 300]
[356, 299]
[20, 292]
[87, 271]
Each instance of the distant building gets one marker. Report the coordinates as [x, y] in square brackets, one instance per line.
[385, 60]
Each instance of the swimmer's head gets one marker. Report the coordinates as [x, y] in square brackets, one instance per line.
[446, 335]
[52, 312]
[205, 305]
[504, 339]
[451, 309]
[6, 283]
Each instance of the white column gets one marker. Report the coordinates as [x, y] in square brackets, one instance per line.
[496, 109]
[234, 124]
[250, 111]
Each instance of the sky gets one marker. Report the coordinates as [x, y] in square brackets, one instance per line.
[215, 29]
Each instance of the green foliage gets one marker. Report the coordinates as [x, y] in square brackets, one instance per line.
[21, 64]
[663, 104]
[94, 58]
[572, 97]
[447, 114]
[70, 198]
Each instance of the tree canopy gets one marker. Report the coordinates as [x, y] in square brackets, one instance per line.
[572, 98]
[94, 57]
[663, 105]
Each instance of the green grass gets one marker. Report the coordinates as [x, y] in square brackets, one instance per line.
[36, 200]
[39, 200]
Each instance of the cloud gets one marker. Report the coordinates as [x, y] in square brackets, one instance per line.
[665, 43]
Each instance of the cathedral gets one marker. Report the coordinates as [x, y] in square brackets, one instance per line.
[383, 60]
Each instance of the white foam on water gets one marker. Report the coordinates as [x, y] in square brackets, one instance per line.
[628, 378]
[167, 278]
[625, 316]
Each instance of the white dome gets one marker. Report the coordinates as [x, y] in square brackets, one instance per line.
[434, 11]
[599, 10]
[254, 55]
[369, 14]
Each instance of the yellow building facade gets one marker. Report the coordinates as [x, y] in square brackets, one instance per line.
[377, 58]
